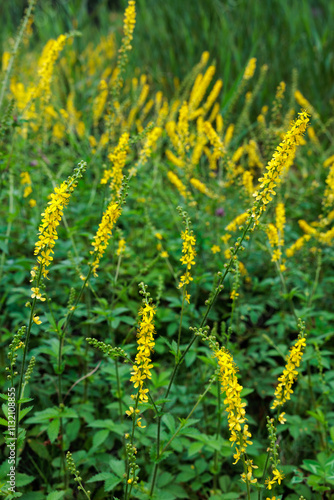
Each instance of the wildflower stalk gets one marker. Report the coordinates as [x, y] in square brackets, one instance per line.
[180, 325]
[18, 41]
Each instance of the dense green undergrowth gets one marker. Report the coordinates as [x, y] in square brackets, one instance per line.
[246, 255]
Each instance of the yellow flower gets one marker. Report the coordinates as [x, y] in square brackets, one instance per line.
[215, 249]
[177, 183]
[278, 475]
[101, 239]
[36, 320]
[269, 482]
[139, 424]
[130, 411]
[283, 154]
[121, 246]
[50, 221]
[250, 69]
[164, 254]
[235, 408]
[145, 340]
[36, 293]
[284, 389]
[32, 203]
[159, 236]
[188, 249]
[281, 418]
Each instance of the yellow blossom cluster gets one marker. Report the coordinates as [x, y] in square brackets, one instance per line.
[46, 64]
[278, 477]
[250, 69]
[101, 239]
[328, 200]
[50, 221]
[128, 26]
[201, 187]
[297, 245]
[145, 340]
[238, 221]
[188, 257]
[275, 234]
[275, 167]
[177, 183]
[240, 436]
[118, 158]
[284, 389]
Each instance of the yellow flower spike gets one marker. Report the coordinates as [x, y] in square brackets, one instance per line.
[104, 232]
[284, 389]
[145, 340]
[188, 249]
[177, 183]
[250, 69]
[282, 156]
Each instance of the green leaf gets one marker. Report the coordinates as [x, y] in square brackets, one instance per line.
[117, 467]
[194, 448]
[23, 479]
[53, 429]
[39, 449]
[164, 479]
[55, 495]
[25, 411]
[169, 421]
[100, 437]
[111, 483]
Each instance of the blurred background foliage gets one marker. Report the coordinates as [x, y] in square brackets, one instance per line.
[170, 37]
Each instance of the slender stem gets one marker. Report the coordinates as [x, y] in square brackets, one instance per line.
[246, 478]
[10, 212]
[180, 326]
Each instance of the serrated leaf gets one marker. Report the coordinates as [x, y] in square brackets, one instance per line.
[23, 479]
[111, 483]
[55, 495]
[102, 476]
[53, 429]
[117, 467]
[100, 437]
[25, 411]
[3, 422]
[169, 421]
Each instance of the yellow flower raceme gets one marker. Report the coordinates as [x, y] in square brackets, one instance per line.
[200, 87]
[238, 221]
[306, 227]
[280, 223]
[50, 221]
[188, 249]
[100, 102]
[118, 158]
[275, 167]
[201, 187]
[177, 183]
[101, 239]
[297, 245]
[284, 389]
[128, 26]
[250, 69]
[145, 340]
[328, 200]
[239, 434]
[46, 65]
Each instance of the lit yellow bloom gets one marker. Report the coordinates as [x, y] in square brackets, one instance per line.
[278, 476]
[128, 26]
[238, 221]
[139, 424]
[100, 101]
[36, 293]
[306, 227]
[178, 162]
[201, 187]
[104, 232]
[297, 245]
[36, 320]
[27, 191]
[188, 249]
[215, 249]
[284, 389]
[275, 167]
[32, 203]
[145, 340]
[5, 60]
[229, 134]
[117, 158]
[234, 407]
[164, 254]
[281, 418]
[25, 178]
[50, 221]
[177, 183]
[250, 69]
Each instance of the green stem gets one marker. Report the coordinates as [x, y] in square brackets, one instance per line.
[219, 419]
[180, 326]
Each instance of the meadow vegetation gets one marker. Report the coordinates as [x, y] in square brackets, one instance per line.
[166, 258]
